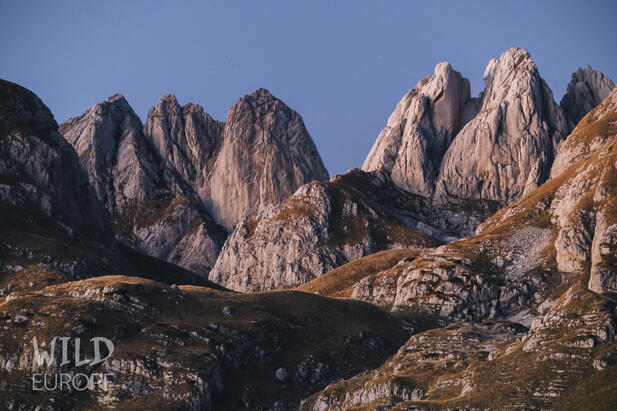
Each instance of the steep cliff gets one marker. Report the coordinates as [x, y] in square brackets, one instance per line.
[266, 154]
[507, 149]
[321, 226]
[154, 210]
[421, 129]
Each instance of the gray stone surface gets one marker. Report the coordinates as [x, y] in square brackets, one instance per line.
[37, 166]
[186, 138]
[586, 89]
[420, 130]
[266, 154]
[507, 149]
[320, 227]
[154, 209]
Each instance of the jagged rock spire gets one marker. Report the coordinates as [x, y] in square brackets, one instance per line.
[266, 154]
[586, 89]
[507, 149]
[420, 130]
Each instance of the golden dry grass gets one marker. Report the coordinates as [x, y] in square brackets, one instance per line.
[339, 282]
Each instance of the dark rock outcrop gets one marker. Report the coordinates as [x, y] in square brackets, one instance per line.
[37, 166]
[586, 89]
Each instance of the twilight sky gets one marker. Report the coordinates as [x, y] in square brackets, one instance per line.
[343, 65]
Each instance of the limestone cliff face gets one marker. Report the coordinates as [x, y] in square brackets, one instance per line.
[154, 210]
[266, 154]
[321, 226]
[37, 166]
[562, 232]
[507, 149]
[420, 130]
[542, 269]
[586, 89]
[186, 137]
[472, 153]
[112, 150]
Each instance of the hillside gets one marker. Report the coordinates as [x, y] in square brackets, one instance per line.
[530, 299]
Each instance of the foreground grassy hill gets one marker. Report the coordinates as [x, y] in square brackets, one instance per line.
[192, 347]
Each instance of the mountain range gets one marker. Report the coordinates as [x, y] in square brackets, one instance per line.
[468, 263]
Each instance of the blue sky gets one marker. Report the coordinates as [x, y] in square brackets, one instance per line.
[343, 65]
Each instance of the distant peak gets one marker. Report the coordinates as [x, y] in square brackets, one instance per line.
[117, 101]
[517, 57]
[588, 71]
[192, 108]
[168, 98]
[115, 97]
[261, 98]
[512, 59]
[262, 93]
[516, 51]
[167, 103]
[443, 67]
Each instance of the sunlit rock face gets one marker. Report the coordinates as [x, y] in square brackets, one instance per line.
[507, 149]
[266, 154]
[420, 130]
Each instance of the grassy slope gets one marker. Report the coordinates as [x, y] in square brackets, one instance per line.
[48, 253]
[150, 320]
[339, 282]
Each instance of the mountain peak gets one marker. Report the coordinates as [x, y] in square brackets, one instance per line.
[266, 154]
[166, 104]
[518, 120]
[115, 97]
[587, 89]
[442, 68]
[262, 94]
[260, 100]
[516, 51]
[421, 128]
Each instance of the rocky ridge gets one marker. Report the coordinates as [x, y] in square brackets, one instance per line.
[157, 180]
[321, 226]
[544, 265]
[153, 209]
[586, 89]
[514, 128]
